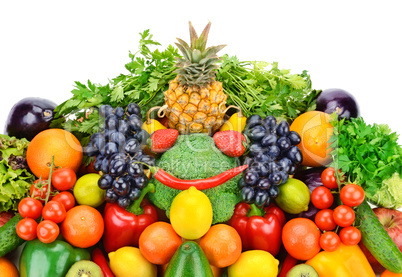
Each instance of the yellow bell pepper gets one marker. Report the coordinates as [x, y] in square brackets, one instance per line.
[151, 125]
[236, 122]
[346, 261]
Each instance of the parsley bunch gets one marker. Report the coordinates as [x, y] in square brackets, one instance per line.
[257, 89]
[149, 73]
[367, 154]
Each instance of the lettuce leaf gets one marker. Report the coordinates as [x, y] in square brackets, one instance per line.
[15, 178]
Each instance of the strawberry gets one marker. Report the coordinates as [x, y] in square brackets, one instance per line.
[231, 143]
[162, 139]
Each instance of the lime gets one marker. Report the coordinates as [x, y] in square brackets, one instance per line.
[128, 261]
[87, 192]
[191, 214]
[294, 196]
[254, 263]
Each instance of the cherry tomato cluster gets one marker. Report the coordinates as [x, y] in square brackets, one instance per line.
[44, 209]
[330, 220]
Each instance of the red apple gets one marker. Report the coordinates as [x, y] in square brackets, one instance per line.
[392, 222]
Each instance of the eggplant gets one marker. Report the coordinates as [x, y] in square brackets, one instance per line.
[339, 101]
[29, 116]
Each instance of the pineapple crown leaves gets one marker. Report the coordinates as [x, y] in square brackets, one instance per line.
[198, 63]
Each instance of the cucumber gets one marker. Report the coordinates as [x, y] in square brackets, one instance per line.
[377, 240]
[189, 261]
[9, 240]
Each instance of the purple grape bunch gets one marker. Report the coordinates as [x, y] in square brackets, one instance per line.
[118, 149]
[272, 156]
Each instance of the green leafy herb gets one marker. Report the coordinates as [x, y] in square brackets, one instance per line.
[257, 89]
[367, 154]
[148, 75]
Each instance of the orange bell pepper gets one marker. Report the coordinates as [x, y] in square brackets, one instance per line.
[346, 261]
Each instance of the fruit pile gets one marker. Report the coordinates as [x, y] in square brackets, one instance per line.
[198, 191]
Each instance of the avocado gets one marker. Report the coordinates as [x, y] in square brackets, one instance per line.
[189, 261]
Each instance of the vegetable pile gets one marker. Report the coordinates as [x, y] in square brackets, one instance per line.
[192, 164]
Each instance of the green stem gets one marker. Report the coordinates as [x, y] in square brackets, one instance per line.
[136, 208]
[153, 169]
[49, 183]
[254, 210]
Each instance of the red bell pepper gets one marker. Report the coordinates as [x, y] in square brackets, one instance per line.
[258, 229]
[123, 227]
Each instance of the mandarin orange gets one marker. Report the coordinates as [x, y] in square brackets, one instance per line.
[315, 130]
[57, 143]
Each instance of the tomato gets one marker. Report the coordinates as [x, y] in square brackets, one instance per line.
[54, 211]
[26, 228]
[39, 190]
[66, 198]
[344, 215]
[30, 207]
[47, 231]
[321, 197]
[328, 178]
[350, 235]
[325, 220]
[64, 178]
[352, 195]
[330, 241]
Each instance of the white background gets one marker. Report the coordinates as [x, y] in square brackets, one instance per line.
[355, 45]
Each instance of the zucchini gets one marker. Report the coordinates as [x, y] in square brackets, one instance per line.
[377, 240]
[9, 240]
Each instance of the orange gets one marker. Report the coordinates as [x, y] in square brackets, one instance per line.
[7, 268]
[83, 226]
[61, 144]
[158, 242]
[315, 130]
[301, 238]
[388, 273]
[221, 245]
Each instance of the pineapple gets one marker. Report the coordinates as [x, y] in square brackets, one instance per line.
[195, 102]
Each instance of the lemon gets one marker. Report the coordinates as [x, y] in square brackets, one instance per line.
[191, 214]
[258, 263]
[128, 261]
[87, 192]
[294, 196]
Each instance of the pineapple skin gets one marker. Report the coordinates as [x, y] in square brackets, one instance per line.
[195, 109]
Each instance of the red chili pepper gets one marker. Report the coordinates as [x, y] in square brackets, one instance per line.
[124, 227]
[200, 184]
[258, 231]
[5, 217]
[287, 264]
[100, 260]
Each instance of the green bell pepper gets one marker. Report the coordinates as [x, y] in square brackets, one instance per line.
[54, 259]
